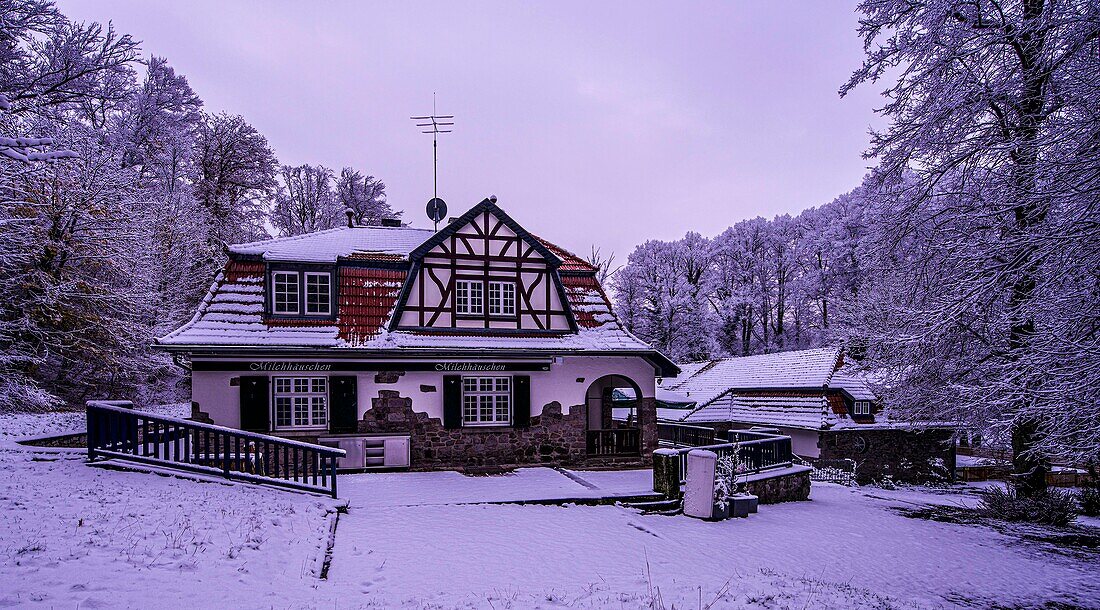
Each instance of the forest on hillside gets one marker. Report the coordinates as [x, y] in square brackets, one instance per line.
[112, 235]
[964, 272]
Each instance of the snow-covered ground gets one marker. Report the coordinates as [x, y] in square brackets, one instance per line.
[14, 426]
[77, 536]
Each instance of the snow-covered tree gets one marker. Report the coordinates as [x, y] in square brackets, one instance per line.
[365, 196]
[306, 201]
[659, 294]
[236, 178]
[987, 187]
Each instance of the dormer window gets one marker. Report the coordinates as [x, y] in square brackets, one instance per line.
[469, 297]
[301, 292]
[862, 407]
[318, 294]
[502, 298]
[284, 292]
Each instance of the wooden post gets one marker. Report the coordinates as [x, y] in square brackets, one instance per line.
[332, 471]
[92, 419]
[666, 472]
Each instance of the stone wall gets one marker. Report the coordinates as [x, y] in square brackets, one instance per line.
[906, 456]
[793, 487]
[551, 439]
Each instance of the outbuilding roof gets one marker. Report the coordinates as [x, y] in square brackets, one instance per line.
[705, 381]
[789, 389]
[788, 411]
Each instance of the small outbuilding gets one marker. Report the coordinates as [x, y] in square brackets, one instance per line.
[829, 411]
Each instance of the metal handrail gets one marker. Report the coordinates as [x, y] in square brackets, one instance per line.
[747, 452]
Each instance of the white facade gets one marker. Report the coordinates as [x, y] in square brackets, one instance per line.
[567, 382]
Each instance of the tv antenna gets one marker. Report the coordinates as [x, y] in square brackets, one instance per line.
[435, 124]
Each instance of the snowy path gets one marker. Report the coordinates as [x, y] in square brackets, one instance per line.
[76, 536]
[525, 484]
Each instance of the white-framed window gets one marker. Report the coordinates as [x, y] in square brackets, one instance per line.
[502, 298]
[318, 294]
[486, 401]
[300, 402]
[284, 292]
[862, 407]
[469, 296]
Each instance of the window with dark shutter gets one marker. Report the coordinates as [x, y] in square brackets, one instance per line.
[255, 409]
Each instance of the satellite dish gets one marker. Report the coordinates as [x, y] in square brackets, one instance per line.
[437, 209]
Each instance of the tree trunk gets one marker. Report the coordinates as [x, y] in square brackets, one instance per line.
[1029, 470]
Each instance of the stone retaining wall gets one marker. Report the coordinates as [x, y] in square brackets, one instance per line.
[793, 487]
[904, 456]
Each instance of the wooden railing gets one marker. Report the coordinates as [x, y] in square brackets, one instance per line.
[756, 451]
[618, 441]
[116, 431]
[681, 435]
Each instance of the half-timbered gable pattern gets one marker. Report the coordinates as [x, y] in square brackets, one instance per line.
[484, 273]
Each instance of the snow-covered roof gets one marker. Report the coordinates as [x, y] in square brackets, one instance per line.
[853, 383]
[333, 244]
[811, 412]
[232, 315]
[704, 382]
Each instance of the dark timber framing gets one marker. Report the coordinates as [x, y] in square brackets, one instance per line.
[459, 258]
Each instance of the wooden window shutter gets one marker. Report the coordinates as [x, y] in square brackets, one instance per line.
[452, 401]
[343, 407]
[255, 404]
[521, 401]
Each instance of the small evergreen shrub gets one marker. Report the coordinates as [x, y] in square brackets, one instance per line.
[1052, 507]
[1089, 500]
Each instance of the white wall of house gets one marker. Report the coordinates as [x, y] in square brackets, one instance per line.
[803, 442]
[566, 382]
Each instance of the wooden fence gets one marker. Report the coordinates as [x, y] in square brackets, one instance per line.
[116, 431]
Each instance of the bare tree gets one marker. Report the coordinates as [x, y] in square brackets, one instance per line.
[365, 196]
[305, 201]
[605, 267]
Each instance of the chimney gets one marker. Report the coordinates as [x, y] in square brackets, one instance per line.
[351, 217]
[391, 222]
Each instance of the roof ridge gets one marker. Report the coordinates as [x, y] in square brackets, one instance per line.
[285, 239]
[293, 238]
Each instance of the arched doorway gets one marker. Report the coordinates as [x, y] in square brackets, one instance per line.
[611, 416]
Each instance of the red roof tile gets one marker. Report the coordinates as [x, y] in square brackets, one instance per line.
[569, 261]
[367, 297]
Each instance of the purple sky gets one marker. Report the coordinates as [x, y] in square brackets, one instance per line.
[602, 124]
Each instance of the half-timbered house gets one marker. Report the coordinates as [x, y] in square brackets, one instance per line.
[480, 345]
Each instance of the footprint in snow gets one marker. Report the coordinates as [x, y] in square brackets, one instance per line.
[642, 528]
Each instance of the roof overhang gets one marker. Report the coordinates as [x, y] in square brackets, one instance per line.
[661, 364]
